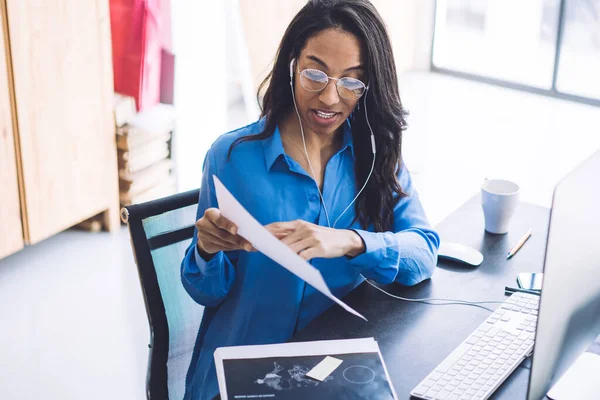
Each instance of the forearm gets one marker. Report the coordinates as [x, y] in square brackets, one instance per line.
[207, 282]
[407, 257]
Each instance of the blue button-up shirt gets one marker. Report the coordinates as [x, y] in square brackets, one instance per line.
[250, 299]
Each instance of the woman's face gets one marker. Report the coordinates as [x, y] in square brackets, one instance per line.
[338, 54]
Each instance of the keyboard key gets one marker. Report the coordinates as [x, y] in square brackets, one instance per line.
[443, 395]
[451, 373]
[420, 391]
[471, 340]
[463, 375]
[435, 375]
[493, 331]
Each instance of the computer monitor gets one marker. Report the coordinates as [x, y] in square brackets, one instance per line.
[569, 313]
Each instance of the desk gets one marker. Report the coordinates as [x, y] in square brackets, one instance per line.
[415, 337]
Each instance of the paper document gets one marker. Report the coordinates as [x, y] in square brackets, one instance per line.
[281, 371]
[263, 241]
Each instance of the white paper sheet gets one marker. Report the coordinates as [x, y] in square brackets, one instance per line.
[315, 348]
[263, 241]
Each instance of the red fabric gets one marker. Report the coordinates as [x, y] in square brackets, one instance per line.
[137, 45]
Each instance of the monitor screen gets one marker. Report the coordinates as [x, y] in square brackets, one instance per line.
[569, 314]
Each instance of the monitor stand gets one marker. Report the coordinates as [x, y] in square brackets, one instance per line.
[581, 381]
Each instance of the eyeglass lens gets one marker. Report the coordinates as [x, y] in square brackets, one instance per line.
[315, 81]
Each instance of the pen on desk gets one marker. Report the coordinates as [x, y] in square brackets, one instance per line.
[511, 290]
[516, 248]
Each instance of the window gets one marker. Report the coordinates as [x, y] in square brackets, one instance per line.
[515, 42]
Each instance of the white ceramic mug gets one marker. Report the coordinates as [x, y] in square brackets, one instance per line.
[499, 199]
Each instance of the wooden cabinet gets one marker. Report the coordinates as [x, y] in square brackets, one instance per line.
[61, 68]
[11, 233]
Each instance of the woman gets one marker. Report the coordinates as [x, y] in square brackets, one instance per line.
[297, 171]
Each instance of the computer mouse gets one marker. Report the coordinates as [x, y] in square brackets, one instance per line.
[460, 252]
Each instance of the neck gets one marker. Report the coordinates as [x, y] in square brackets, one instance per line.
[315, 143]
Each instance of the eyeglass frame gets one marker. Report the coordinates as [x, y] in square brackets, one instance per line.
[328, 79]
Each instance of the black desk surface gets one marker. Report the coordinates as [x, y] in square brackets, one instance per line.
[413, 337]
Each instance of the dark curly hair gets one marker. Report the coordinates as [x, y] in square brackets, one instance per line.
[386, 114]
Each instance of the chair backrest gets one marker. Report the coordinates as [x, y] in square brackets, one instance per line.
[160, 232]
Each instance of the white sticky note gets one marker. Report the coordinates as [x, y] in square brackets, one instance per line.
[323, 369]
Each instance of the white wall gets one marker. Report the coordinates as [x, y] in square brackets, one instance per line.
[199, 42]
[409, 22]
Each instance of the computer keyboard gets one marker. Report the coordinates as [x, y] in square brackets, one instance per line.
[479, 365]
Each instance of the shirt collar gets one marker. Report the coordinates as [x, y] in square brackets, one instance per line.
[273, 146]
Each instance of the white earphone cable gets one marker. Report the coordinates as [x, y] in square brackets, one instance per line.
[370, 172]
[445, 301]
[310, 164]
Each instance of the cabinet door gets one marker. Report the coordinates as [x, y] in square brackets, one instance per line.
[11, 233]
[63, 90]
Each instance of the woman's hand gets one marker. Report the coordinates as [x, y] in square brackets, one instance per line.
[312, 241]
[216, 233]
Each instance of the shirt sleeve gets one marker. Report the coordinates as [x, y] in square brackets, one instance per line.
[407, 254]
[207, 282]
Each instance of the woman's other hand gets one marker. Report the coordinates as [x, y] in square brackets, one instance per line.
[216, 233]
[314, 241]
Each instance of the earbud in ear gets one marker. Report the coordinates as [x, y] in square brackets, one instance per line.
[292, 69]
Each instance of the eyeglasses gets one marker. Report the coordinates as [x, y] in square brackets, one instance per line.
[314, 80]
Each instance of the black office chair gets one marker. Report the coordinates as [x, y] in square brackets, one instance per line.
[160, 232]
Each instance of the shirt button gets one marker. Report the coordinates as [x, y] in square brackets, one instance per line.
[314, 198]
